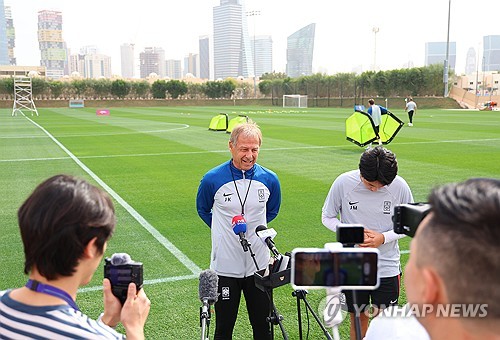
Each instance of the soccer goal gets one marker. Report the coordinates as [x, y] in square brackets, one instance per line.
[294, 100]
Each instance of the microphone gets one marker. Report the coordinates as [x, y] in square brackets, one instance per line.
[239, 228]
[207, 290]
[120, 258]
[267, 235]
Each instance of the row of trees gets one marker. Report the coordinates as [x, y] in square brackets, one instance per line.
[422, 81]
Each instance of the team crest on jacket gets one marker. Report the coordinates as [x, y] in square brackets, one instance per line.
[262, 195]
[387, 207]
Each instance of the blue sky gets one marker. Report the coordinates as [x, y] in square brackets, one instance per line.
[344, 29]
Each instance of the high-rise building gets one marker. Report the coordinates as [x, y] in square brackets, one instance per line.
[299, 52]
[262, 50]
[4, 52]
[204, 50]
[152, 60]
[173, 68]
[127, 60]
[191, 65]
[232, 51]
[435, 53]
[90, 64]
[470, 62]
[11, 35]
[52, 46]
[491, 53]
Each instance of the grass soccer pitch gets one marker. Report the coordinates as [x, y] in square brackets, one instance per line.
[151, 161]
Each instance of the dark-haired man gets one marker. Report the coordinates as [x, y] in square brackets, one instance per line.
[454, 262]
[367, 196]
[65, 225]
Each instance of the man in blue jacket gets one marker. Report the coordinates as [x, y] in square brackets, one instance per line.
[235, 190]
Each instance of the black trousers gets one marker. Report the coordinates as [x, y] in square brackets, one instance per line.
[410, 115]
[227, 305]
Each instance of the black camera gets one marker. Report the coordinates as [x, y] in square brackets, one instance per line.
[407, 217]
[121, 271]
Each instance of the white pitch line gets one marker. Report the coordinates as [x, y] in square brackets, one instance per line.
[225, 151]
[138, 217]
[146, 282]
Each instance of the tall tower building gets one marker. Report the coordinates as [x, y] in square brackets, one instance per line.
[152, 60]
[263, 45]
[470, 62]
[435, 53]
[174, 69]
[299, 52]
[191, 65]
[90, 64]
[4, 53]
[127, 60]
[204, 50]
[11, 35]
[232, 50]
[52, 47]
[491, 53]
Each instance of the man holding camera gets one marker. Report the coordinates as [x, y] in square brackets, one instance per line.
[368, 196]
[454, 267]
[238, 193]
[65, 225]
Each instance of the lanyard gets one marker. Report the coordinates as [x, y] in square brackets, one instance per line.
[51, 290]
[238, 193]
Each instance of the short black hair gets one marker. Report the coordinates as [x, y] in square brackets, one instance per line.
[378, 164]
[59, 219]
[462, 231]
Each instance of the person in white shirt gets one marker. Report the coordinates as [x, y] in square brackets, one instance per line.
[411, 108]
[368, 196]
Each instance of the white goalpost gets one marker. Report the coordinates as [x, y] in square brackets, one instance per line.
[295, 100]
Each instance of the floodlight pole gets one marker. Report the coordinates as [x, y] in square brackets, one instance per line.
[375, 31]
[445, 71]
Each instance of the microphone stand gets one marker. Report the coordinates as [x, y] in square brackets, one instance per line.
[248, 246]
[205, 319]
[301, 295]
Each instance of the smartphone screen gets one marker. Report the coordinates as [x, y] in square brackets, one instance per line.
[350, 234]
[351, 268]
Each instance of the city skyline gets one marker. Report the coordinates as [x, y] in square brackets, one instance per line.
[345, 39]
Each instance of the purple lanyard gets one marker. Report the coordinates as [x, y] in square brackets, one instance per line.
[51, 290]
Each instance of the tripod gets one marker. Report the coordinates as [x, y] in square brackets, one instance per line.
[266, 282]
[301, 295]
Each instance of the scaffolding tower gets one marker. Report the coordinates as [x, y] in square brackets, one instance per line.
[23, 96]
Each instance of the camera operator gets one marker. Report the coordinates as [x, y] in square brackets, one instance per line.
[454, 260]
[65, 225]
[367, 196]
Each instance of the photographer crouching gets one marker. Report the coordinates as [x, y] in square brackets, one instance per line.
[65, 225]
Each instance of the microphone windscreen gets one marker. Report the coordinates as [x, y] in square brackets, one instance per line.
[120, 258]
[239, 224]
[260, 228]
[208, 286]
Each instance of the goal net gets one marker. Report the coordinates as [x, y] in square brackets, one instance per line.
[294, 100]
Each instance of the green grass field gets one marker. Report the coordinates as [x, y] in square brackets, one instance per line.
[152, 159]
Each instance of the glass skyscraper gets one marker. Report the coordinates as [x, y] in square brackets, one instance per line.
[491, 53]
[232, 50]
[299, 52]
[4, 54]
[435, 53]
